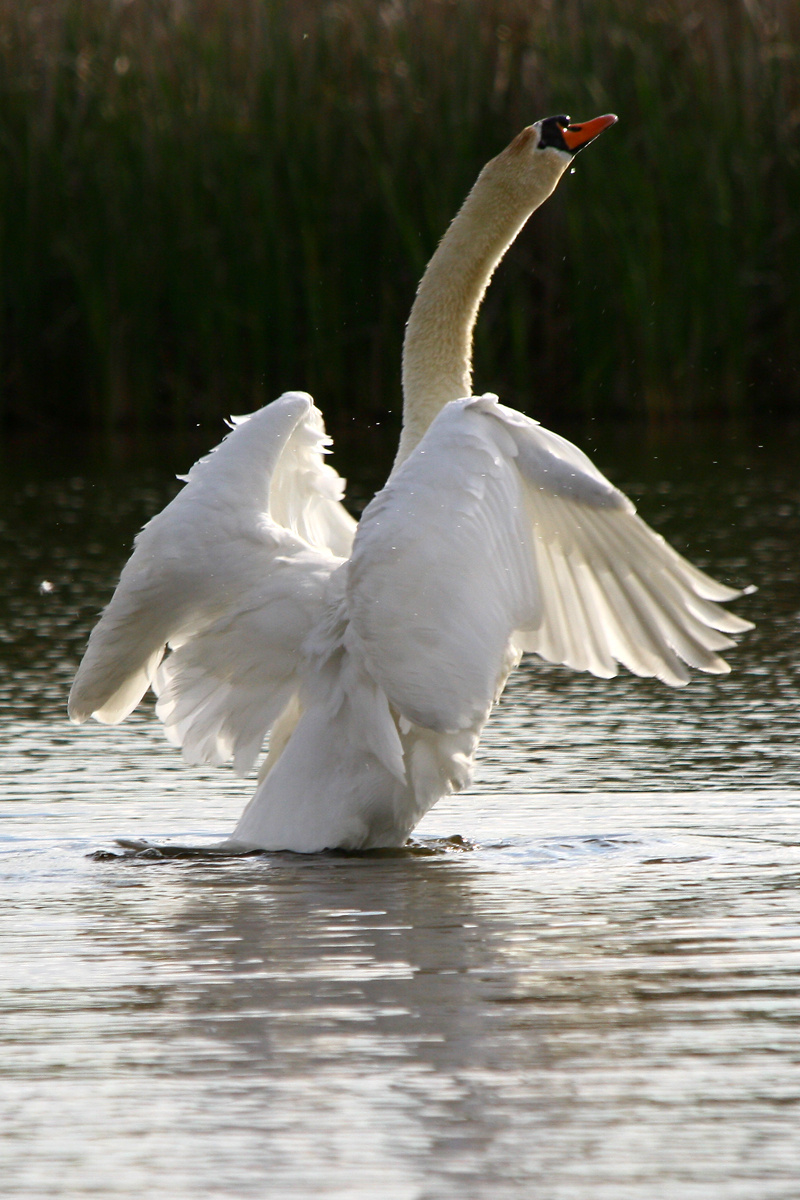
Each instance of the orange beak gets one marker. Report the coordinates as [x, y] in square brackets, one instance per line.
[580, 135]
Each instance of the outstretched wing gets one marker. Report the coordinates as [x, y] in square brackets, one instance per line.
[231, 576]
[497, 535]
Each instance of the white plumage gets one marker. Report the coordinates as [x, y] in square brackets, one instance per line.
[373, 662]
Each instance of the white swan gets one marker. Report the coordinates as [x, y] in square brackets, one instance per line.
[374, 655]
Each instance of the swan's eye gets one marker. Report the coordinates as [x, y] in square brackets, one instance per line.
[550, 133]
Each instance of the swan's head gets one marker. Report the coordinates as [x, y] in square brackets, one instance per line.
[538, 156]
[559, 134]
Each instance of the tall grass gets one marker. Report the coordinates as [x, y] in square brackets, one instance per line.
[205, 202]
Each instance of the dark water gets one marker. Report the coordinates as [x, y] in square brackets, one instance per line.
[594, 994]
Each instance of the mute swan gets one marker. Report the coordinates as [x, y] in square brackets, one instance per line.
[373, 656]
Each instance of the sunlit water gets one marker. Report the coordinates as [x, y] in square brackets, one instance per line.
[591, 991]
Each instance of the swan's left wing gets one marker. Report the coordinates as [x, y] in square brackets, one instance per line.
[497, 536]
[227, 581]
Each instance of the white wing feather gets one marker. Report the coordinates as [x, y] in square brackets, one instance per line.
[442, 571]
[497, 536]
[231, 576]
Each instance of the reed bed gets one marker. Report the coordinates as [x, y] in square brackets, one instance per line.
[205, 202]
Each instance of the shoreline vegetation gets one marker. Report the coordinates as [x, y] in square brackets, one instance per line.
[203, 204]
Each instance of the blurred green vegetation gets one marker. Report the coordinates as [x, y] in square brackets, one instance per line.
[203, 202]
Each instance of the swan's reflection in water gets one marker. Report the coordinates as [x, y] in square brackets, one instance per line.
[334, 1010]
[569, 1008]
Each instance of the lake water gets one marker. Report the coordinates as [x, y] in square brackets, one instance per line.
[584, 982]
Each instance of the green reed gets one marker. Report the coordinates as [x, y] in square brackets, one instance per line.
[203, 203]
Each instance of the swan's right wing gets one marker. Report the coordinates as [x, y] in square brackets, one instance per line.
[495, 536]
[230, 578]
[442, 572]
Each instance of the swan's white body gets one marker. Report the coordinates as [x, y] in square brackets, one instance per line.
[372, 656]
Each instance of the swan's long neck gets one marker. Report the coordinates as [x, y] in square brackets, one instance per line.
[437, 353]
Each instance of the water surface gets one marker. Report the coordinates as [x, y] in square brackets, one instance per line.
[593, 993]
